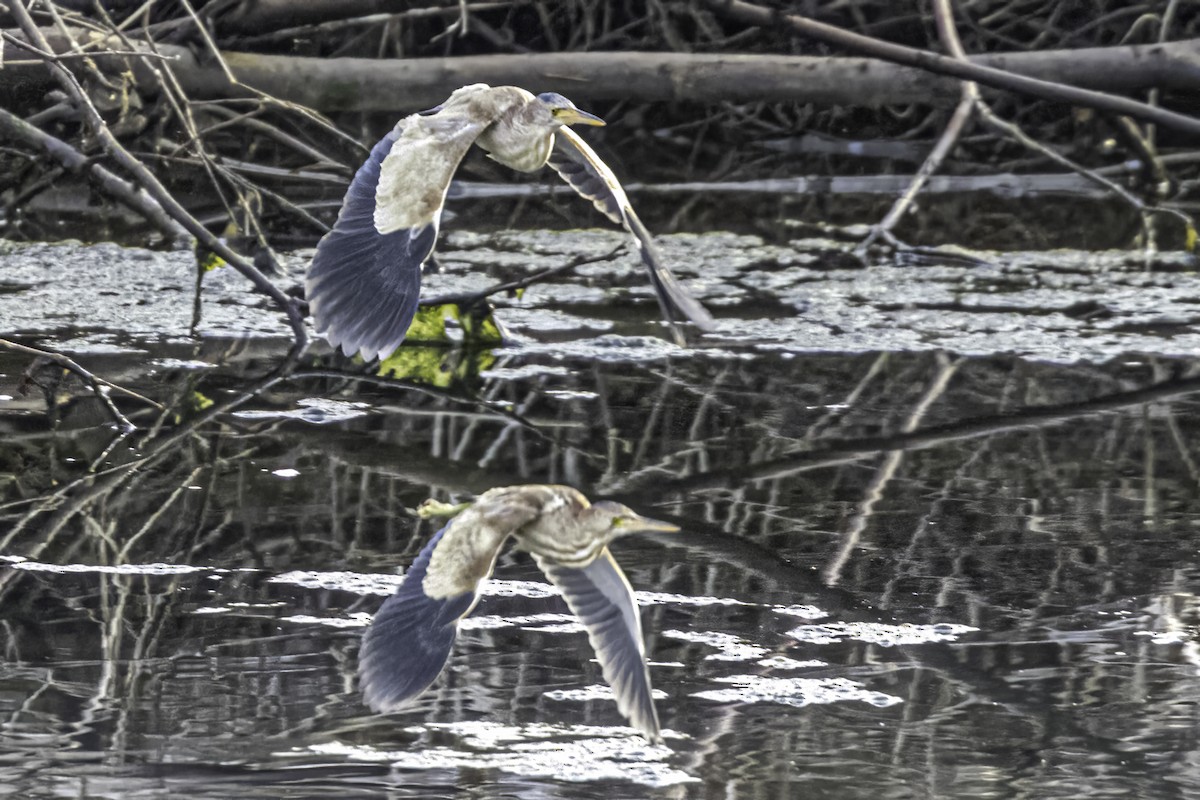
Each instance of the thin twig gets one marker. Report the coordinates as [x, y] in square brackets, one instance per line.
[100, 387]
[945, 65]
[139, 201]
[150, 183]
[51, 56]
[468, 299]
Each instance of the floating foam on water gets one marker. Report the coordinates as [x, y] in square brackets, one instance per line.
[524, 371]
[578, 754]
[656, 598]
[803, 611]
[485, 622]
[550, 622]
[356, 582]
[571, 394]
[497, 588]
[486, 735]
[358, 620]
[783, 662]
[732, 648]
[314, 410]
[593, 692]
[230, 607]
[119, 569]
[179, 363]
[797, 692]
[1164, 637]
[565, 627]
[879, 633]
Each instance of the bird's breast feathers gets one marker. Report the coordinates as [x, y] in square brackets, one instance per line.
[542, 518]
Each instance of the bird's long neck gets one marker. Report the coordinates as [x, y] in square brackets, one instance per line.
[563, 540]
[517, 141]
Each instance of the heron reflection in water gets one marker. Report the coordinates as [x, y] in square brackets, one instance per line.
[409, 640]
[363, 283]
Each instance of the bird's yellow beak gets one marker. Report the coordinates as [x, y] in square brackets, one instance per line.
[573, 116]
[647, 525]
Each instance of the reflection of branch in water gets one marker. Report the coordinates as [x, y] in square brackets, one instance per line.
[650, 432]
[695, 456]
[100, 387]
[1181, 448]
[124, 552]
[466, 300]
[836, 411]
[153, 445]
[887, 470]
[65, 503]
[484, 407]
[909, 561]
[501, 439]
[850, 450]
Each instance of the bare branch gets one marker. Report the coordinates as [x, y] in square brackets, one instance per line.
[1002, 77]
[150, 183]
[100, 387]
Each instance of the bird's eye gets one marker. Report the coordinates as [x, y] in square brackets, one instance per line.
[618, 522]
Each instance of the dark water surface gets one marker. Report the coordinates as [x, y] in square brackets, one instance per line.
[901, 575]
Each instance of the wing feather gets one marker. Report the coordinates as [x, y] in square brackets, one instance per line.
[359, 275]
[365, 278]
[410, 638]
[587, 174]
[600, 595]
[416, 172]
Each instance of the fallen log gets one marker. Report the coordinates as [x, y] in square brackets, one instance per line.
[404, 85]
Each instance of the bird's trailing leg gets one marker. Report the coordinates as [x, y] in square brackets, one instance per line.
[436, 509]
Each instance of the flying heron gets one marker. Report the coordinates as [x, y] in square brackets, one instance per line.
[363, 282]
[409, 640]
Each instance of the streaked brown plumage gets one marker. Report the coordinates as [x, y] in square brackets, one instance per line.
[410, 638]
[364, 280]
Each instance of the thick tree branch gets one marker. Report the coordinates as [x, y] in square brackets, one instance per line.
[404, 85]
[16, 129]
[1001, 76]
[265, 15]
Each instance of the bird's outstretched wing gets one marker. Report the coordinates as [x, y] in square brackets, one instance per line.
[601, 597]
[409, 641]
[579, 166]
[365, 277]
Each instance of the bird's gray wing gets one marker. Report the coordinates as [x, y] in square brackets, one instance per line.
[409, 640]
[579, 166]
[602, 598]
[365, 278]
[411, 636]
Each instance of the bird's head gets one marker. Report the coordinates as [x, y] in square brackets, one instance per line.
[612, 520]
[558, 110]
